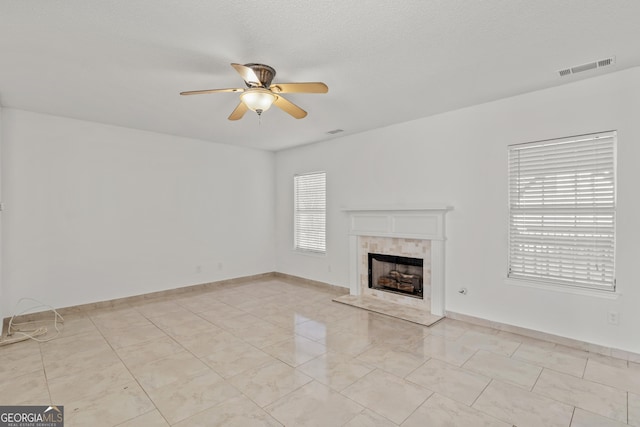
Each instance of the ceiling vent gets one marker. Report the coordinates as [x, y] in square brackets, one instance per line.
[333, 132]
[588, 66]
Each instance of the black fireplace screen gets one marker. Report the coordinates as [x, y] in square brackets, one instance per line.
[396, 274]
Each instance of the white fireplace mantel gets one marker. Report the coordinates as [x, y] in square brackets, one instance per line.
[409, 223]
[420, 222]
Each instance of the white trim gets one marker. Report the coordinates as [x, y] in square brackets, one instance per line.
[604, 294]
[434, 207]
[424, 223]
[547, 336]
[309, 253]
[427, 224]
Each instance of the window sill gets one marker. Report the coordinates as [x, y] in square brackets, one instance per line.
[310, 253]
[564, 289]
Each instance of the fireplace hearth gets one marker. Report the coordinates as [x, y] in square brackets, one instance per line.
[396, 274]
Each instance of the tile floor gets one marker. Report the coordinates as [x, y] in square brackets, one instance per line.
[378, 305]
[275, 353]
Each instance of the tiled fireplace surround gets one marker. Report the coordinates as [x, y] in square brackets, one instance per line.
[410, 248]
[410, 232]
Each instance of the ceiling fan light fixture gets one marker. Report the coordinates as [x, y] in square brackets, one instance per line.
[258, 99]
[260, 94]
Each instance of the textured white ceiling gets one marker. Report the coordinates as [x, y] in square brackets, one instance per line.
[123, 62]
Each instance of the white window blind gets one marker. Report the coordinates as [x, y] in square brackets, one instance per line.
[562, 211]
[310, 212]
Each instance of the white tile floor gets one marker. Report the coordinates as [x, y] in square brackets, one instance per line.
[275, 353]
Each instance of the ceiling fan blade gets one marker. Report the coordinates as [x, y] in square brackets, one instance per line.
[308, 87]
[247, 74]
[290, 107]
[239, 111]
[198, 92]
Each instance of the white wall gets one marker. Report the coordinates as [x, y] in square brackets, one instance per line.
[460, 158]
[3, 299]
[96, 212]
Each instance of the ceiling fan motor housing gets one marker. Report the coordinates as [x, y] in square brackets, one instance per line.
[264, 72]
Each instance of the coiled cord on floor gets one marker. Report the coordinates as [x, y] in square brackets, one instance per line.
[18, 328]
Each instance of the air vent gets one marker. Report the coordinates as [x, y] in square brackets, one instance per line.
[584, 67]
[588, 66]
[605, 62]
[333, 132]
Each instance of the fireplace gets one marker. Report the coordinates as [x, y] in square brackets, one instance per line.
[415, 232]
[396, 274]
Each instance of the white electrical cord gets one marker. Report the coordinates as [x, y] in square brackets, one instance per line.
[25, 334]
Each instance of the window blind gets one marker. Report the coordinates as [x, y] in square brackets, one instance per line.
[310, 212]
[562, 211]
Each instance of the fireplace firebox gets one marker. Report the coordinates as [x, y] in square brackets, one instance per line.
[396, 274]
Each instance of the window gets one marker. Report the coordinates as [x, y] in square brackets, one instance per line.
[310, 212]
[562, 211]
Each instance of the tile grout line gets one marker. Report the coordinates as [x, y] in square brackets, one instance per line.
[480, 394]
[491, 380]
[137, 416]
[364, 406]
[515, 350]
[262, 408]
[200, 359]
[418, 367]
[209, 367]
[130, 373]
[584, 370]
[44, 371]
[542, 368]
[573, 413]
[420, 405]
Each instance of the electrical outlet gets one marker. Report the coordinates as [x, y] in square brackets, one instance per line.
[613, 317]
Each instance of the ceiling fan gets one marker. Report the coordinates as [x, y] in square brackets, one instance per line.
[260, 93]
